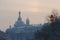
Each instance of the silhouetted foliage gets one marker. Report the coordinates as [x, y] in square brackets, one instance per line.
[50, 31]
[2, 36]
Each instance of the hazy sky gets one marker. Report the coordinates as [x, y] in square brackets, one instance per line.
[36, 10]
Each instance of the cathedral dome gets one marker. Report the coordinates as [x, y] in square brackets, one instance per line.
[19, 22]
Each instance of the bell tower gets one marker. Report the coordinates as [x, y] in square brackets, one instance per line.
[27, 22]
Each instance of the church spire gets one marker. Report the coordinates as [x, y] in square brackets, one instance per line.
[19, 18]
[19, 13]
[19, 22]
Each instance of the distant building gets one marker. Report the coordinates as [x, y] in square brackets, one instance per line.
[22, 31]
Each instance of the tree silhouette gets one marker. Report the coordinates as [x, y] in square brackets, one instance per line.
[50, 31]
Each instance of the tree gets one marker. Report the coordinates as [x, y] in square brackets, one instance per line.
[50, 31]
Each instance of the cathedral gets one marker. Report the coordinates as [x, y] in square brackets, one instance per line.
[22, 31]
